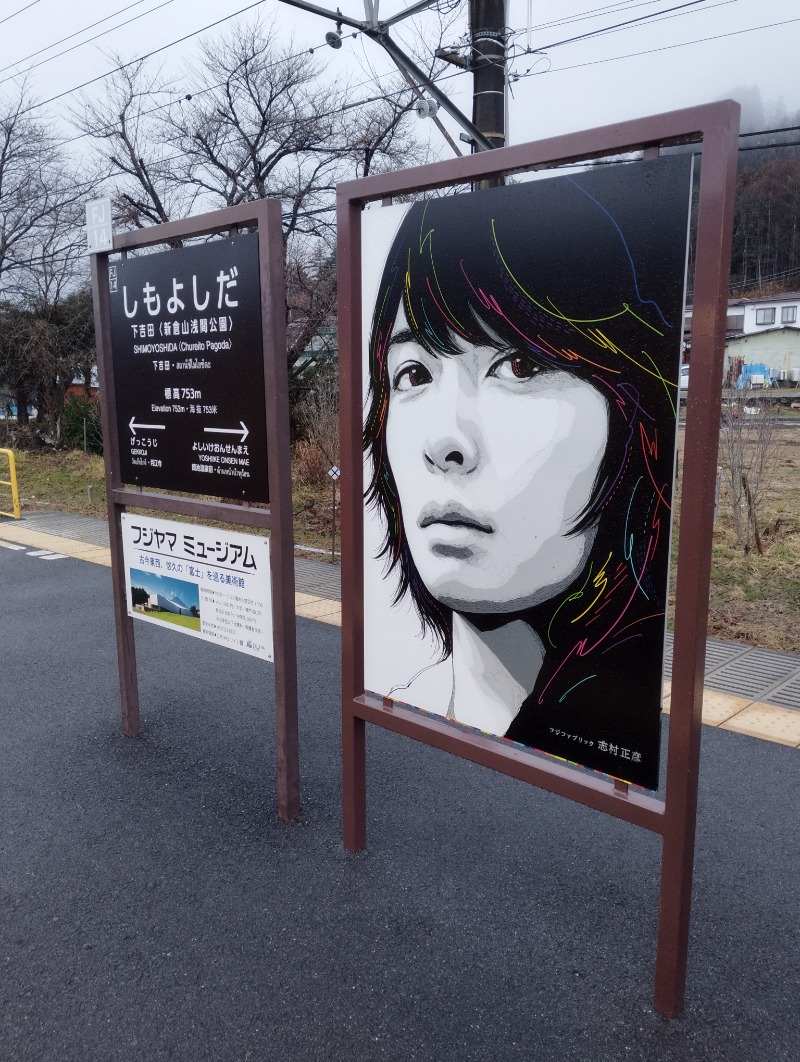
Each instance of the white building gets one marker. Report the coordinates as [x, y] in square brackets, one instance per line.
[749, 316]
[764, 330]
[167, 604]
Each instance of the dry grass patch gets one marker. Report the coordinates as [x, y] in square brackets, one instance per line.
[60, 479]
[756, 599]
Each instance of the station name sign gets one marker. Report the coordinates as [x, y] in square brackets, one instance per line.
[188, 366]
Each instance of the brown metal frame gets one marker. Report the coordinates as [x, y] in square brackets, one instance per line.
[265, 215]
[716, 126]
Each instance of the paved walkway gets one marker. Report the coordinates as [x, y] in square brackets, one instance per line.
[154, 907]
[748, 690]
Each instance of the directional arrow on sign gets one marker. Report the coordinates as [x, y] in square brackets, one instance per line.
[244, 431]
[150, 427]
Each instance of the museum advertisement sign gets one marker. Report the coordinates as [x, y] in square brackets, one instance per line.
[208, 582]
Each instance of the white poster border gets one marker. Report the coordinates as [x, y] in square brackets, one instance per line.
[225, 575]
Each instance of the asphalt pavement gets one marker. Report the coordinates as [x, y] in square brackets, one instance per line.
[154, 907]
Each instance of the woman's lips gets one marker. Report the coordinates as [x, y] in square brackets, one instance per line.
[453, 515]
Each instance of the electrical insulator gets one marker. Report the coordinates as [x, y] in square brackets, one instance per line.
[426, 108]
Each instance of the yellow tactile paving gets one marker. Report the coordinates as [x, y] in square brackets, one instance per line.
[767, 721]
[718, 707]
[770, 722]
[56, 544]
[318, 608]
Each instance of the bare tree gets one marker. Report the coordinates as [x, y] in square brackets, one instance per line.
[310, 307]
[55, 263]
[17, 369]
[41, 258]
[318, 415]
[380, 134]
[261, 121]
[36, 186]
[136, 157]
[748, 451]
[57, 338]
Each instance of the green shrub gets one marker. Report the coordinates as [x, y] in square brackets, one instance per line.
[78, 409]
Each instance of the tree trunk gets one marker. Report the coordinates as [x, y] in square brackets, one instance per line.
[21, 397]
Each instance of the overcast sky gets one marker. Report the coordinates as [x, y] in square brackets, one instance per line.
[682, 55]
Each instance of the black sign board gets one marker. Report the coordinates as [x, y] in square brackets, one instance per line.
[188, 369]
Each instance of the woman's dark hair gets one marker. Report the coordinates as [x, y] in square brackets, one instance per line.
[566, 271]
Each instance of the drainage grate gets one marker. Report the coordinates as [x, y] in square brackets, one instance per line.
[787, 695]
[668, 653]
[720, 653]
[68, 525]
[314, 577]
[754, 673]
[717, 653]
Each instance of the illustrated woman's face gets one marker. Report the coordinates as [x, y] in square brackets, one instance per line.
[494, 460]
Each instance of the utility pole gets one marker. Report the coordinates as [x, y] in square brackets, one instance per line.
[487, 31]
[488, 60]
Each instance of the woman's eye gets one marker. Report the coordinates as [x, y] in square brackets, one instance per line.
[514, 367]
[413, 375]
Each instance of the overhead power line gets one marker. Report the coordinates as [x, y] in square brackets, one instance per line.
[141, 58]
[663, 48]
[18, 11]
[180, 97]
[621, 25]
[455, 73]
[584, 16]
[771, 147]
[80, 44]
[653, 18]
[77, 33]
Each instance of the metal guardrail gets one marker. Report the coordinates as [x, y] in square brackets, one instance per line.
[11, 482]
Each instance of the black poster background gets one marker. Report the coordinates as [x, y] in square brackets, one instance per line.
[590, 270]
[190, 378]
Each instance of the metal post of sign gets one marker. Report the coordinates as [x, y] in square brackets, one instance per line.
[716, 127]
[714, 237]
[126, 644]
[334, 472]
[264, 217]
[276, 386]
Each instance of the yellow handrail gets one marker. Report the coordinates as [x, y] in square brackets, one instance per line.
[11, 482]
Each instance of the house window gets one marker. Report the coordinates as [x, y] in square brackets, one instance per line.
[735, 322]
[788, 314]
[765, 317]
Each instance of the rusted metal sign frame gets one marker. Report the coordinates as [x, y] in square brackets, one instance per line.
[265, 217]
[716, 127]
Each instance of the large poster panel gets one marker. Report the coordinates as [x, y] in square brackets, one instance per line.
[188, 364]
[521, 360]
[208, 582]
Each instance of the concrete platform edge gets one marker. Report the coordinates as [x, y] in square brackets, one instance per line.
[767, 722]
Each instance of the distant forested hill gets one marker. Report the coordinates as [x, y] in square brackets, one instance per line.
[766, 235]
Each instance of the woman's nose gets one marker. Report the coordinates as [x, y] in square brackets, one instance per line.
[453, 435]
